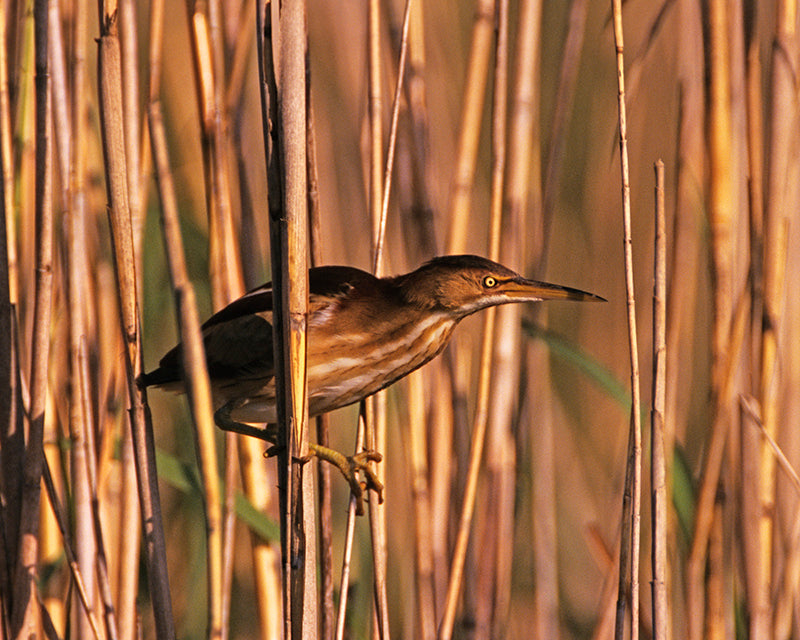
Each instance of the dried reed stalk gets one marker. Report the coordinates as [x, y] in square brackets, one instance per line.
[198, 385]
[70, 135]
[523, 194]
[714, 623]
[683, 303]
[720, 211]
[269, 608]
[478, 439]
[523, 154]
[429, 428]
[109, 70]
[100, 561]
[11, 432]
[129, 544]
[420, 493]
[417, 219]
[495, 562]
[782, 205]
[7, 169]
[123, 541]
[49, 536]
[782, 154]
[77, 575]
[480, 50]
[380, 191]
[419, 239]
[414, 161]
[375, 406]
[791, 572]
[22, 255]
[26, 615]
[226, 275]
[386, 183]
[328, 614]
[481, 418]
[375, 114]
[287, 179]
[658, 465]
[225, 264]
[756, 580]
[347, 553]
[631, 511]
[132, 120]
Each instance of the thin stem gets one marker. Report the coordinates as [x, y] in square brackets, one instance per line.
[390, 153]
[657, 452]
[197, 383]
[289, 250]
[469, 129]
[480, 423]
[110, 86]
[721, 210]
[75, 571]
[635, 447]
[26, 616]
[375, 407]
[348, 541]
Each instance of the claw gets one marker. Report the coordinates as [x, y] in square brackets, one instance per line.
[350, 466]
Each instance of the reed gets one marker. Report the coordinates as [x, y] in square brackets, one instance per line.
[419, 128]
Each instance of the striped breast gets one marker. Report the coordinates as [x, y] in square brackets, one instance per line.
[345, 367]
[352, 366]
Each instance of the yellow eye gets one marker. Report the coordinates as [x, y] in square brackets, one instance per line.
[489, 282]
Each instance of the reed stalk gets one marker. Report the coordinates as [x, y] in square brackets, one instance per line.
[538, 548]
[109, 70]
[284, 106]
[658, 465]
[481, 417]
[631, 525]
[720, 217]
[26, 616]
[198, 384]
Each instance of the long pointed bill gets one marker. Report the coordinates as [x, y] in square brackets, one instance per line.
[521, 289]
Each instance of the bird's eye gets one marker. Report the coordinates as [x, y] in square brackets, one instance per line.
[490, 282]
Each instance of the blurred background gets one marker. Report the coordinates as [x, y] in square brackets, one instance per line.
[711, 89]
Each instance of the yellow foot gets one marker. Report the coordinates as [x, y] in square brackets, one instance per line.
[350, 466]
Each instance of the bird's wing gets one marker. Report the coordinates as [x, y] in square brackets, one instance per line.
[240, 348]
[238, 338]
[258, 300]
[237, 341]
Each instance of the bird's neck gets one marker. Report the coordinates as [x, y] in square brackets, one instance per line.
[418, 293]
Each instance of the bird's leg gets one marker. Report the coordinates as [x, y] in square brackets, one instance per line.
[222, 417]
[350, 466]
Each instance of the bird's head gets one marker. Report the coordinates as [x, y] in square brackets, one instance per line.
[462, 285]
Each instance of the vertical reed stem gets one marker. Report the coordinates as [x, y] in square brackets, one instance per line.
[26, 616]
[658, 486]
[110, 85]
[633, 479]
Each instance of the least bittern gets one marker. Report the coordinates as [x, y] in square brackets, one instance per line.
[364, 333]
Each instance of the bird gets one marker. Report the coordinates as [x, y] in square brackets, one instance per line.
[363, 334]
